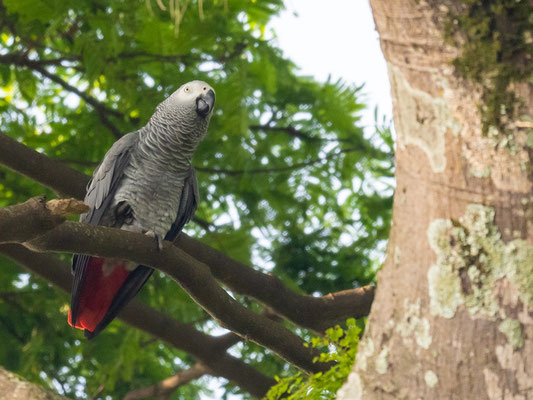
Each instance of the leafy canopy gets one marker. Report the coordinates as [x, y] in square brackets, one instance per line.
[289, 181]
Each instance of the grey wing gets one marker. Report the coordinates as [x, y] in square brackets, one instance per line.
[104, 183]
[100, 192]
[188, 204]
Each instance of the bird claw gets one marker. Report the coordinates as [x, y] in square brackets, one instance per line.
[124, 213]
[158, 240]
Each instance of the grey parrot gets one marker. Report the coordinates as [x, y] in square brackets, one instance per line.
[145, 184]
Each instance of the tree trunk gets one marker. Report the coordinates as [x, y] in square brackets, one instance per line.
[14, 388]
[453, 313]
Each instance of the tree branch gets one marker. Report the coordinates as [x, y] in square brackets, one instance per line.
[238, 172]
[83, 163]
[35, 65]
[186, 59]
[193, 276]
[175, 333]
[202, 223]
[170, 384]
[50, 173]
[101, 109]
[292, 131]
[16, 221]
[16, 58]
[316, 313]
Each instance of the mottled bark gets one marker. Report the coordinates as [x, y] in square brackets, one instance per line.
[12, 387]
[453, 313]
[34, 217]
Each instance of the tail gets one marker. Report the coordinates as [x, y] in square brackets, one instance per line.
[99, 293]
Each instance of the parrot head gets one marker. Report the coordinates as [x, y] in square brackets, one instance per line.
[194, 100]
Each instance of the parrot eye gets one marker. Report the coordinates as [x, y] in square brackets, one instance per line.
[187, 90]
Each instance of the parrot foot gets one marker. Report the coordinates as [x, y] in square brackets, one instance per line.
[158, 240]
[124, 213]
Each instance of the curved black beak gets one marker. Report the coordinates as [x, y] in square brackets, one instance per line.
[205, 103]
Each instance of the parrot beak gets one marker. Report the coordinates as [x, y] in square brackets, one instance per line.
[205, 103]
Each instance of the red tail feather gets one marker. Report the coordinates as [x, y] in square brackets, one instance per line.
[97, 293]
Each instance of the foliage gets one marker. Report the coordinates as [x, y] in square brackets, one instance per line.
[323, 386]
[494, 53]
[288, 179]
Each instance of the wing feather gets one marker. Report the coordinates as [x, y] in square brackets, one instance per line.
[100, 192]
[103, 184]
[188, 204]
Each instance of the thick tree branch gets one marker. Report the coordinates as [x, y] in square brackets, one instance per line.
[192, 275]
[170, 384]
[16, 221]
[316, 313]
[205, 348]
[50, 173]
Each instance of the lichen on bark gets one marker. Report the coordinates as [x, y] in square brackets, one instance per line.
[413, 325]
[431, 378]
[382, 363]
[472, 259]
[422, 119]
[366, 350]
[496, 43]
[512, 330]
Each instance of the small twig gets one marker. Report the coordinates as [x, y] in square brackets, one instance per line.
[170, 384]
[201, 9]
[238, 49]
[8, 326]
[237, 172]
[83, 163]
[208, 226]
[292, 131]
[149, 7]
[66, 207]
[103, 111]
[98, 391]
[148, 342]
[523, 124]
